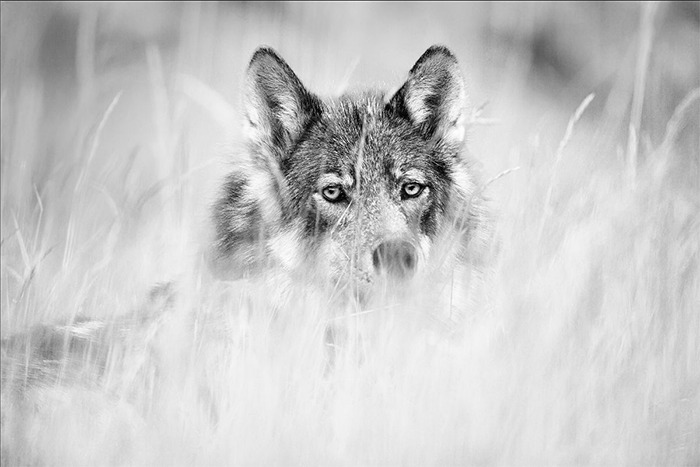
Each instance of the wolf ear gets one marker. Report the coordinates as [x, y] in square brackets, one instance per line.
[433, 97]
[277, 106]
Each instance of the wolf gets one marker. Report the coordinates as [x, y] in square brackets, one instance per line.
[365, 195]
[367, 191]
[362, 195]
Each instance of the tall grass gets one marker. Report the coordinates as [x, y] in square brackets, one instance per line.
[587, 352]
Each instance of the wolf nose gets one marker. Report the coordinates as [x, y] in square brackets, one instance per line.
[397, 258]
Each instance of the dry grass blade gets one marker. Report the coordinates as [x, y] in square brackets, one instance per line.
[499, 176]
[557, 160]
[101, 126]
[646, 33]
[676, 123]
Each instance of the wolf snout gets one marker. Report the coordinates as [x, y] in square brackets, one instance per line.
[397, 258]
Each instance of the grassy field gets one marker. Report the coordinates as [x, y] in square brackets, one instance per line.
[119, 122]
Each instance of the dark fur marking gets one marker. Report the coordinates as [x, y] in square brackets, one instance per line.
[238, 220]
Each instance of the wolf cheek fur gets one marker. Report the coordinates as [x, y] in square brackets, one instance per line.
[356, 188]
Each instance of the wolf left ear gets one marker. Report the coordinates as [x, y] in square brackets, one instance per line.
[433, 97]
[277, 105]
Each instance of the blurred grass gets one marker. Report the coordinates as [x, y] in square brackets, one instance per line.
[119, 120]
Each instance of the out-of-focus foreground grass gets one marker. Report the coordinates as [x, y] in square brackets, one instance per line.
[116, 122]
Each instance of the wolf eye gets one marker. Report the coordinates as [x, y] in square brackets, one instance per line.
[332, 193]
[411, 190]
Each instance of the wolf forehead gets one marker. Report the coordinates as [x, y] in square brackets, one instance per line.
[361, 136]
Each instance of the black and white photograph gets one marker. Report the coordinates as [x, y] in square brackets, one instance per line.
[350, 233]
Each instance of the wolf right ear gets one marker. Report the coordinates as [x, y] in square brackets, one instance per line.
[277, 105]
[433, 97]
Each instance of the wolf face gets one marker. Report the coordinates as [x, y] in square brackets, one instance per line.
[352, 191]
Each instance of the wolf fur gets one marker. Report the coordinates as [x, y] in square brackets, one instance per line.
[367, 148]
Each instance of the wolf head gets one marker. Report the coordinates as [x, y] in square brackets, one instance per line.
[354, 190]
